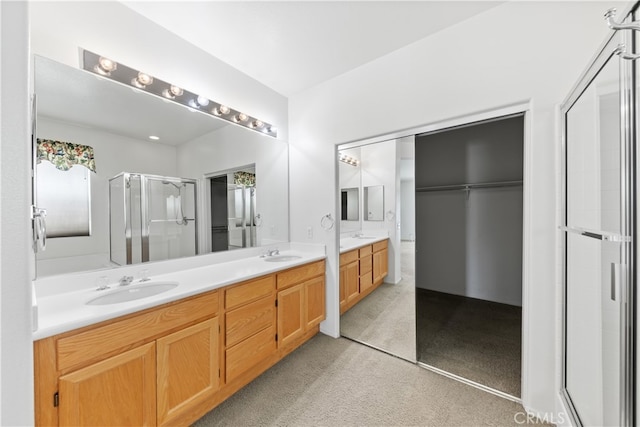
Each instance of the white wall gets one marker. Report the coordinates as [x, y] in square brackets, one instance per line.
[16, 359]
[408, 219]
[234, 147]
[113, 154]
[516, 52]
[379, 167]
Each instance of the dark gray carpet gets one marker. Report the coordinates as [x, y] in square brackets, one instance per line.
[475, 339]
[336, 382]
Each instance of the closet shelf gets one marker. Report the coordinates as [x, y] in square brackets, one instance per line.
[466, 187]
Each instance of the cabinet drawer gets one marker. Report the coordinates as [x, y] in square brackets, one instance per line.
[300, 274]
[379, 246]
[245, 321]
[366, 265]
[249, 352]
[364, 251]
[348, 257]
[118, 335]
[249, 291]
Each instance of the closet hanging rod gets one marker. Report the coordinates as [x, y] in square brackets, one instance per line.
[469, 186]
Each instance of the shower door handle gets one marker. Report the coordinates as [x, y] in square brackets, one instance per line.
[617, 278]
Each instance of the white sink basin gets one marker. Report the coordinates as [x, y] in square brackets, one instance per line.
[133, 292]
[282, 258]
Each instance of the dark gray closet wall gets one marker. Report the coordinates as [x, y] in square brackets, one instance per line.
[469, 243]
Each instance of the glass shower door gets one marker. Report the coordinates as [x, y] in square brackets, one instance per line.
[597, 246]
[171, 218]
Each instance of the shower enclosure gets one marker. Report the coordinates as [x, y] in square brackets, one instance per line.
[599, 234]
[151, 218]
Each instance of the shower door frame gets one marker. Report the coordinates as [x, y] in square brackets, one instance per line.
[629, 166]
[144, 212]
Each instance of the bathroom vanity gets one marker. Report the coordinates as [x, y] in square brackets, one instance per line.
[173, 362]
[363, 267]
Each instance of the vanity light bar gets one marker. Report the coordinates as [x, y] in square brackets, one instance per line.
[348, 159]
[110, 69]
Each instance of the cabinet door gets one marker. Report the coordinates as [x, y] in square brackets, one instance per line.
[314, 308]
[343, 287]
[119, 391]
[187, 368]
[349, 285]
[380, 265]
[290, 314]
[352, 288]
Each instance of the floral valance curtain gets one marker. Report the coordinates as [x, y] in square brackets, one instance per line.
[64, 155]
[244, 178]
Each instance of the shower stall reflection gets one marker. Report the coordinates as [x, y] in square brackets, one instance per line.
[152, 218]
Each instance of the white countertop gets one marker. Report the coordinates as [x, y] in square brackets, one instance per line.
[66, 311]
[351, 243]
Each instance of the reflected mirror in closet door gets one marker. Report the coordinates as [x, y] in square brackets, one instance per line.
[380, 315]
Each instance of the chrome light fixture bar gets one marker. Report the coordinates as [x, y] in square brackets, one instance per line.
[108, 68]
[348, 159]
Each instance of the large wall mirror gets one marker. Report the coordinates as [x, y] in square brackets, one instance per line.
[151, 198]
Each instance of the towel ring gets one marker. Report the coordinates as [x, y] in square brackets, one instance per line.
[327, 222]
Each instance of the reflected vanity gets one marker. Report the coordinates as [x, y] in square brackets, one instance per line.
[162, 142]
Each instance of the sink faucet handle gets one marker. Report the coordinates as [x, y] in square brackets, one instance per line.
[125, 280]
[103, 283]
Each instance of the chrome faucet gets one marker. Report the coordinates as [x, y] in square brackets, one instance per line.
[125, 280]
[272, 252]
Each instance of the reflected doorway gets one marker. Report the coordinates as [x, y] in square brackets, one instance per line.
[233, 210]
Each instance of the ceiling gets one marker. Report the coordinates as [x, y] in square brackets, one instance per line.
[291, 46]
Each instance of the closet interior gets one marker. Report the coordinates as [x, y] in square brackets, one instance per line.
[469, 240]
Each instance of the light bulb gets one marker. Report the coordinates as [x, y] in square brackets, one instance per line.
[105, 66]
[241, 117]
[202, 101]
[221, 110]
[172, 92]
[256, 124]
[142, 81]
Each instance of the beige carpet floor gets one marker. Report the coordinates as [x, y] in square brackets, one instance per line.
[386, 318]
[336, 382]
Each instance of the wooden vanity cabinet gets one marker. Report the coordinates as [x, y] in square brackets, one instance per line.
[301, 302]
[171, 364]
[117, 391]
[187, 369]
[250, 331]
[380, 260]
[362, 270]
[349, 279]
[366, 268]
[146, 368]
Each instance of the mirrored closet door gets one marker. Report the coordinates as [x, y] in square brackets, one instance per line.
[377, 247]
